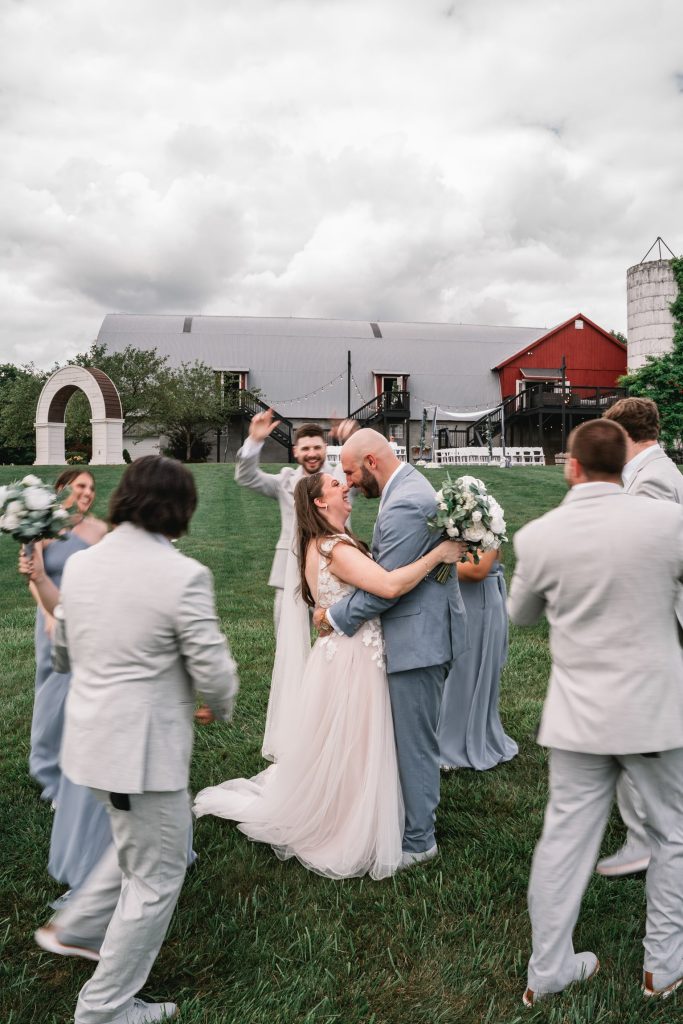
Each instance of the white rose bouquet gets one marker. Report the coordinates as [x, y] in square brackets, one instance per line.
[466, 511]
[30, 510]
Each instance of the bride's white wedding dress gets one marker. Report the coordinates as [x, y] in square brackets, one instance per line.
[333, 799]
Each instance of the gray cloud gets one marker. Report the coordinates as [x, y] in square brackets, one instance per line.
[368, 158]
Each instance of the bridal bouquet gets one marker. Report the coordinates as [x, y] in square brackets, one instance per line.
[466, 511]
[30, 510]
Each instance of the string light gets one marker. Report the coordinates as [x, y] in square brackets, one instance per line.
[303, 398]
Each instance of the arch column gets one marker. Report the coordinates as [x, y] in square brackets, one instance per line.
[107, 442]
[106, 420]
[50, 450]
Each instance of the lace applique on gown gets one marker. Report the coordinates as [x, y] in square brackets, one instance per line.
[333, 800]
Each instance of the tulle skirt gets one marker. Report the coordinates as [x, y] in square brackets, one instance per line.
[333, 799]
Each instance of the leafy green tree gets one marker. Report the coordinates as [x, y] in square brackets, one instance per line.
[141, 378]
[190, 407]
[661, 378]
[620, 337]
[20, 388]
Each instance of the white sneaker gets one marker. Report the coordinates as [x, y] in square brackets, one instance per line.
[586, 966]
[48, 939]
[629, 860]
[147, 1013]
[409, 859]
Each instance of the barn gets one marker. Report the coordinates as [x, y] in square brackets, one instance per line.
[385, 373]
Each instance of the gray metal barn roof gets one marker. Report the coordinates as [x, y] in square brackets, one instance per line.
[300, 364]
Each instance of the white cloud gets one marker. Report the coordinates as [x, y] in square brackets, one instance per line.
[440, 160]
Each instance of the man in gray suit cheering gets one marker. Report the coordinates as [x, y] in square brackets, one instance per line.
[649, 472]
[615, 700]
[143, 638]
[310, 451]
[424, 631]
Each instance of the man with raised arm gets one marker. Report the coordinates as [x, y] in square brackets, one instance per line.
[310, 451]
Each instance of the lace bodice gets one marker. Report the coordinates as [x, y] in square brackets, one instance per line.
[330, 590]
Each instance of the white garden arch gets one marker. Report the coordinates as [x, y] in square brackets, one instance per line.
[107, 417]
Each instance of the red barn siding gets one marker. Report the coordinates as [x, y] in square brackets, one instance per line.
[593, 358]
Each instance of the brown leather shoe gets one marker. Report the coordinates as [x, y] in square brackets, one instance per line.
[650, 991]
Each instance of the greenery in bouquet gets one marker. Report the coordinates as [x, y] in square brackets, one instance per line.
[30, 510]
[466, 511]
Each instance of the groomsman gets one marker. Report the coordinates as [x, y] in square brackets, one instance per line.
[651, 473]
[143, 638]
[605, 568]
[310, 451]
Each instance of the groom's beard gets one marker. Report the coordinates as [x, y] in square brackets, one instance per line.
[368, 484]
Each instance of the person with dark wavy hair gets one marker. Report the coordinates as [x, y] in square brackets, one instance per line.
[144, 638]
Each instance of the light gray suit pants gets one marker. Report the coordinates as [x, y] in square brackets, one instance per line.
[125, 905]
[415, 704]
[632, 813]
[581, 793]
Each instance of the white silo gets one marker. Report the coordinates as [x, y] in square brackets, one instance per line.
[650, 290]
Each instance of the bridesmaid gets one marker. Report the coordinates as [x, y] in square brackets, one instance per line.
[470, 732]
[45, 576]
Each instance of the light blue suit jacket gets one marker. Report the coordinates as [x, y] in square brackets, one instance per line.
[428, 625]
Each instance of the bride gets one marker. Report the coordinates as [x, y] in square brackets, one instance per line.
[333, 798]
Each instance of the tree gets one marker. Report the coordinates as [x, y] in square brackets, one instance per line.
[191, 406]
[620, 337]
[661, 378]
[141, 378]
[20, 388]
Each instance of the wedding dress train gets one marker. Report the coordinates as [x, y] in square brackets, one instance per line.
[333, 798]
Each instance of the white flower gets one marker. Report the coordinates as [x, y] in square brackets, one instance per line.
[16, 508]
[489, 541]
[10, 521]
[37, 499]
[476, 516]
[469, 502]
[474, 534]
[450, 522]
[453, 531]
[465, 481]
[498, 524]
[443, 506]
[439, 495]
[61, 514]
[31, 480]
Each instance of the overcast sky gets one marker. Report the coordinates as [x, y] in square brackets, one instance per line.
[475, 161]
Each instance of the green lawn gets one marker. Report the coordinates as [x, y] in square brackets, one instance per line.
[256, 941]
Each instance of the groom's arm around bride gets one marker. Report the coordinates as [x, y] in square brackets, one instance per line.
[424, 631]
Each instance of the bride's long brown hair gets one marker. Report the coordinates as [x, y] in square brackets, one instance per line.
[312, 525]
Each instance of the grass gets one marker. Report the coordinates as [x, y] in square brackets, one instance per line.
[256, 941]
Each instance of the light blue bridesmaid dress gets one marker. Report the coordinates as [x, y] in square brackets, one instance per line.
[50, 687]
[470, 732]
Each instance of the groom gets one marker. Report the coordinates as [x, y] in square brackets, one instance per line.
[424, 631]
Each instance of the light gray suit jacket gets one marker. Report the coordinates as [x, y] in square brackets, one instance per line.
[279, 486]
[605, 568]
[428, 625]
[658, 477]
[143, 638]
